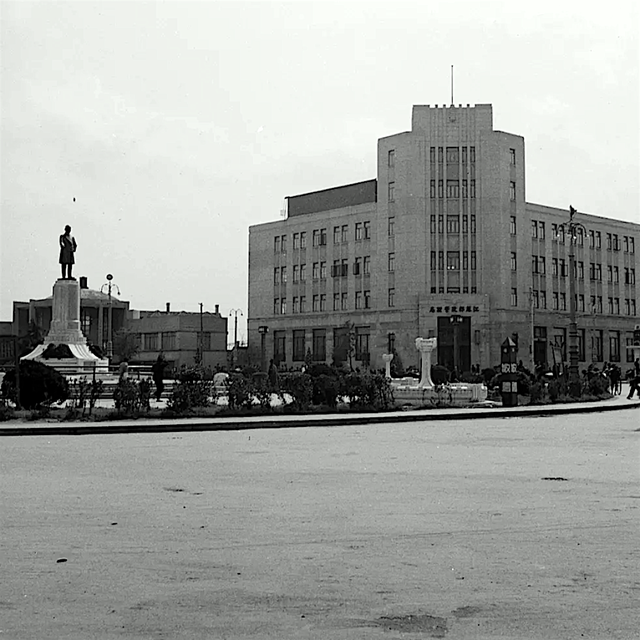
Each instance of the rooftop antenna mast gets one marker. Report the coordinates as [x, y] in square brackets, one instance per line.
[452, 85]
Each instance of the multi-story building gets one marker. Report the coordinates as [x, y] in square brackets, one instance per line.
[443, 243]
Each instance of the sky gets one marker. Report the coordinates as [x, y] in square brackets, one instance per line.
[177, 125]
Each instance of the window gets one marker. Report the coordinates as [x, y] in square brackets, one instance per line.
[367, 230]
[512, 157]
[303, 304]
[283, 243]
[453, 188]
[453, 224]
[440, 224]
[358, 235]
[472, 188]
[440, 188]
[367, 299]
[392, 262]
[432, 155]
[366, 265]
[629, 351]
[432, 224]
[357, 266]
[362, 344]
[315, 273]
[514, 261]
[392, 297]
[441, 260]
[303, 239]
[433, 261]
[473, 224]
[616, 275]
[315, 303]
[610, 306]
[323, 302]
[344, 267]
[472, 154]
[596, 345]
[581, 302]
[283, 306]
[358, 299]
[303, 273]
[440, 155]
[316, 237]
[560, 234]
[626, 275]
[391, 226]
[543, 299]
[465, 188]
[319, 344]
[609, 273]
[432, 189]
[625, 243]
[344, 301]
[276, 275]
[168, 340]
[616, 306]
[554, 301]
[344, 233]
[296, 273]
[599, 304]
[296, 305]
[554, 232]
[598, 240]
[283, 275]
[336, 235]
[453, 155]
[514, 297]
[299, 350]
[563, 268]
[391, 190]
[276, 306]
[512, 191]
[323, 270]
[581, 270]
[632, 276]
[534, 228]
[465, 224]
[632, 245]
[535, 298]
[554, 266]
[563, 302]
[542, 265]
[512, 225]
[336, 301]
[616, 242]
[580, 236]
[473, 261]
[465, 260]
[391, 158]
[609, 244]
[453, 261]
[592, 239]
[541, 230]
[276, 244]
[296, 240]
[279, 341]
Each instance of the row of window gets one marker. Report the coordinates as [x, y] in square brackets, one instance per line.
[455, 188]
[339, 268]
[166, 341]
[319, 303]
[595, 237]
[453, 155]
[453, 260]
[318, 348]
[559, 303]
[597, 342]
[436, 224]
[559, 268]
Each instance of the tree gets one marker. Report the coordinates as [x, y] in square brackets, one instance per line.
[31, 339]
[126, 344]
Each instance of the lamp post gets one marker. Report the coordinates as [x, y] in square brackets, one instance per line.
[263, 330]
[109, 285]
[571, 228]
[234, 312]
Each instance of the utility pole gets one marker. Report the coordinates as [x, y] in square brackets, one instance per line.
[235, 313]
[531, 329]
[200, 351]
[109, 285]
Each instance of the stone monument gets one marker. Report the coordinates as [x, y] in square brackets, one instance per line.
[65, 330]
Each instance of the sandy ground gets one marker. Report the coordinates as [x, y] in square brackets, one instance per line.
[389, 531]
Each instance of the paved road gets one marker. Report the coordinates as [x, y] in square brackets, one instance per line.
[421, 530]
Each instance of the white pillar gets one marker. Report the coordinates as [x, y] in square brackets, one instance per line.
[425, 346]
[387, 358]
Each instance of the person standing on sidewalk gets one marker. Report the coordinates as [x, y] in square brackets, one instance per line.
[634, 383]
[158, 375]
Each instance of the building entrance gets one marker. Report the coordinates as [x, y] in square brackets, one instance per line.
[454, 342]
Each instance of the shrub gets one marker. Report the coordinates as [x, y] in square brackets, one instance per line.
[397, 367]
[58, 351]
[537, 393]
[439, 374]
[239, 392]
[39, 385]
[194, 389]
[261, 388]
[598, 386]
[300, 387]
[126, 397]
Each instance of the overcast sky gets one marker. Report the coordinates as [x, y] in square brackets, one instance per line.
[176, 125]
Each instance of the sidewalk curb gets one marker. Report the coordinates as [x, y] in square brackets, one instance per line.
[294, 422]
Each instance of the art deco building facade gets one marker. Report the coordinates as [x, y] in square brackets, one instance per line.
[442, 243]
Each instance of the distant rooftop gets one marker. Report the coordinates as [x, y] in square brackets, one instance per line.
[334, 198]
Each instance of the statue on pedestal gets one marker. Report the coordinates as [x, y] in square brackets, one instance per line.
[68, 247]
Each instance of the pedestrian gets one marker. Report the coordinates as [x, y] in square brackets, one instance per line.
[123, 371]
[157, 371]
[634, 382]
[273, 375]
[615, 375]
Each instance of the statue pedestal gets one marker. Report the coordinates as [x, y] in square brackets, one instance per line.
[65, 329]
[387, 358]
[425, 346]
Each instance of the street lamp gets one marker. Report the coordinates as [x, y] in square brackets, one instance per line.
[570, 228]
[235, 313]
[109, 285]
[263, 330]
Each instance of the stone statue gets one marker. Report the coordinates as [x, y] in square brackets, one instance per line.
[68, 247]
